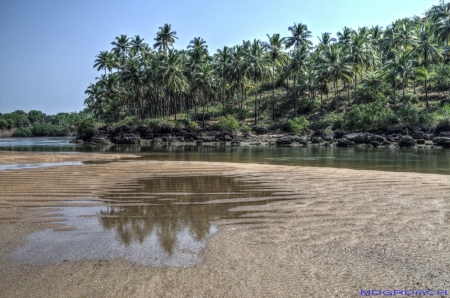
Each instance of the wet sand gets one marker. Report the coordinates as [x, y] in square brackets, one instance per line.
[344, 231]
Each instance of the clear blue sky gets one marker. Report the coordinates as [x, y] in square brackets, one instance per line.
[48, 47]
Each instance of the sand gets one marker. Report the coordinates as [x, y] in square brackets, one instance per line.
[346, 230]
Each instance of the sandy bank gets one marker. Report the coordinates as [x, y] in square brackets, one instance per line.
[344, 231]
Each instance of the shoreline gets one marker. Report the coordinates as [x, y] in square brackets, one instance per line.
[347, 230]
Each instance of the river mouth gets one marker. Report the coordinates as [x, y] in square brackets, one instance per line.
[163, 221]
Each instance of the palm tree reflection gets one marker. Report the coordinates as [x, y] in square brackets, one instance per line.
[166, 206]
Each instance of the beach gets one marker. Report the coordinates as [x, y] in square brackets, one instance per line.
[339, 232]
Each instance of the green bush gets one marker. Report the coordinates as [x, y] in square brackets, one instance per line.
[245, 128]
[3, 124]
[228, 123]
[408, 115]
[307, 105]
[85, 128]
[331, 120]
[22, 132]
[296, 125]
[194, 126]
[365, 117]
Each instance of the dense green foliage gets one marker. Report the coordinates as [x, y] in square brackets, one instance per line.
[369, 77]
[85, 128]
[297, 125]
[38, 124]
[228, 123]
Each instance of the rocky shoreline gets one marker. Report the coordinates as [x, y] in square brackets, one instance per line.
[261, 137]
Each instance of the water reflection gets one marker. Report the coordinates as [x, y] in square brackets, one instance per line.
[169, 204]
[160, 222]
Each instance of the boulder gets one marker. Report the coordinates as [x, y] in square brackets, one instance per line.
[446, 144]
[406, 142]
[345, 143]
[145, 132]
[287, 140]
[439, 141]
[421, 141]
[444, 126]
[339, 134]
[445, 134]
[125, 135]
[363, 137]
[100, 137]
[417, 135]
[428, 136]
[205, 138]
[375, 143]
[316, 140]
[260, 130]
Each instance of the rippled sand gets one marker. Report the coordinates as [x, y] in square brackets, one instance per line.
[346, 230]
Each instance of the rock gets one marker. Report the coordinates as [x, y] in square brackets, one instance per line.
[417, 135]
[363, 137]
[345, 143]
[77, 141]
[446, 144]
[395, 131]
[375, 143]
[394, 137]
[144, 132]
[439, 141]
[260, 130]
[205, 138]
[316, 140]
[100, 137]
[406, 142]
[125, 135]
[339, 134]
[386, 143]
[445, 134]
[428, 136]
[445, 126]
[421, 141]
[287, 140]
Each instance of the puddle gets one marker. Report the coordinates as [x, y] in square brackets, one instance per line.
[39, 165]
[158, 222]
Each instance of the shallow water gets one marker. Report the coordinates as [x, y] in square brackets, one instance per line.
[386, 159]
[159, 222]
[39, 165]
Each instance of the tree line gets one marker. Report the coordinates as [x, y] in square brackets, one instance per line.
[152, 81]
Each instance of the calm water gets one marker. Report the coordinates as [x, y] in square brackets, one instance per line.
[158, 222]
[402, 160]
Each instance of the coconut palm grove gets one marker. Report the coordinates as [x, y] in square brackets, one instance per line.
[359, 79]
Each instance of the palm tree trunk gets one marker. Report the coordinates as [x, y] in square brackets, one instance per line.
[203, 106]
[273, 93]
[403, 83]
[335, 96]
[426, 92]
[256, 98]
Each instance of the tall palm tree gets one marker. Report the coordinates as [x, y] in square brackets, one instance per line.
[333, 62]
[255, 63]
[105, 60]
[297, 62]
[400, 67]
[300, 36]
[203, 83]
[121, 45]
[425, 51]
[170, 73]
[165, 38]
[274, 47]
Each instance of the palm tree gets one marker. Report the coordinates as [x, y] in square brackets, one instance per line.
[105, 60]
[333, 62]
[300, 36]
[255, 64]
[400, 67]
[170, 74]
[121, 45]
[274, 47]
[425, 50]
[297, 62]
[325, 40]
[203, 82]
[165, 38]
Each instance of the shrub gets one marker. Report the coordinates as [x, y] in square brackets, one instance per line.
[194, 126]
[3, 124]
[245, 128]
[408, 115]
[331, 120]
[296, 125]
[365, 117]
[85, 128]
[22, 132]
[130, 121]
[228, 123]
[307, 105]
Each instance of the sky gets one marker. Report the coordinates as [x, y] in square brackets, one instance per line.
[48, 47]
